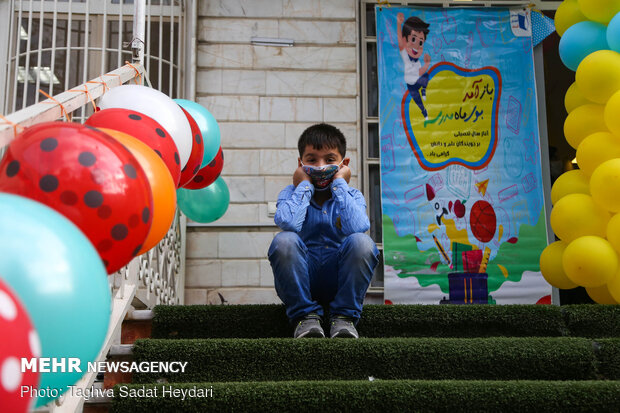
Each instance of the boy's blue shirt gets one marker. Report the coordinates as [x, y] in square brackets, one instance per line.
[322, 226]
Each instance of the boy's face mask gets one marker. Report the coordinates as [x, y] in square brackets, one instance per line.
[321, 175]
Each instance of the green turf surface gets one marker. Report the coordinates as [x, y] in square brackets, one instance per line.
[495, 358]
[263, 321]
[378, 396]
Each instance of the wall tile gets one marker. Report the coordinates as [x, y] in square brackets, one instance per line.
[275, 184]
[203, 273]
[247, 56]
[278, 162]
[244, 82]
[241, 161]
[209, 81]
[201, 244]
[240, 273]
[291, 109]
[311, 83]
[240, 214]
[244, 244]
[340, 110]
[331, 9]
[240, 8]
[219, 55]
[235, 30]
[246, 189]
[251, 135]
[223, 108]
[318, 32]
[195, 296]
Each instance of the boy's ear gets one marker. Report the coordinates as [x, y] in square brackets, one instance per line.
[346, 161]
[298, 162]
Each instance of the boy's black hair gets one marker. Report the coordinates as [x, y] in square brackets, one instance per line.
[415, 23]
[322, 135]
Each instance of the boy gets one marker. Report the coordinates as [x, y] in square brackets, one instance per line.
[322, 256]
[411, 40]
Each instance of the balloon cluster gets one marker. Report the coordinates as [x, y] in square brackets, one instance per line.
[78, 202]
[586, 210]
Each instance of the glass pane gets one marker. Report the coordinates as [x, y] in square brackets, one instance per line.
[374, 203]
[372, 94]
[373, 140]
[371, 29]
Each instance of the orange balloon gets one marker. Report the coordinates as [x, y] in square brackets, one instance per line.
[162, 186]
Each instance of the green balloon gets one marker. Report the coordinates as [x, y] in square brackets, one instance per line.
[206, 204]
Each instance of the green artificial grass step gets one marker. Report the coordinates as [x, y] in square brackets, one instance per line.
[373, 396]
[496, 358]
[262, 321]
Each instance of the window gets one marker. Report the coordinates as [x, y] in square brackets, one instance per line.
[56, 45]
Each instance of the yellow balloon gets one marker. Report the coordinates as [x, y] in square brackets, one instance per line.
[551, 266]
[576, 215]
[574, 98]
[570, 182]
[614, 287]
[601, 295]
[590, 261]
[583, 121]
[567, 14]
[611, 114]
[600, 11]
[598, 75]
[605, 185]
[596, 149]
[613, 232]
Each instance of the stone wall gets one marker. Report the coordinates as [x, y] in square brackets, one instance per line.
[263, 98]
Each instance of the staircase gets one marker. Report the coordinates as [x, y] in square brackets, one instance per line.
[411, 358]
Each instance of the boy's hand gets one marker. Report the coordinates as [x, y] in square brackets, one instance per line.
[427, 58]
[344, 172]
[299, 176]
[400, 18]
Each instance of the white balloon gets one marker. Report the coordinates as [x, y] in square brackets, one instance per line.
[156, 105]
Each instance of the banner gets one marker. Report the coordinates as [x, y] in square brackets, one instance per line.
[462, 196]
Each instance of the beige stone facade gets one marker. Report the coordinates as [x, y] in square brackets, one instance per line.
[263, 98]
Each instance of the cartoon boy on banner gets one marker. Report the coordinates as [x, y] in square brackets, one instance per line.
[411, 40]
[463, 206]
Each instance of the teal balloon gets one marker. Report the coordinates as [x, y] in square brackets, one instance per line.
[580, 40]
[206, 204]
[613, 33]
[60, 279]
[208, 126]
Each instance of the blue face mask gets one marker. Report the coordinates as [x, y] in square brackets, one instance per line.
[321, 175]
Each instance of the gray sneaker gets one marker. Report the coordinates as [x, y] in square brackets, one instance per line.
[309, 327]
[343, 327]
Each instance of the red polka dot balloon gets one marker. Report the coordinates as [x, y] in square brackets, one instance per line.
[88, 177]
[483, 221]
[207, 175]
[195, 158]
[145, 129]
[19, 340]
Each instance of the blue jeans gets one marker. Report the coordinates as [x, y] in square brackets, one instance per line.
[414, 92]
[308, 279]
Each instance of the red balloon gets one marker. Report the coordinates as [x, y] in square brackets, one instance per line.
[483, 221]
[207, 175]
[88, 177]
[145, 129]
[195, 158]
[19, 340]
